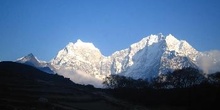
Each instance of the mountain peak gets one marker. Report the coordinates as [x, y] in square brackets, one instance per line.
[160, 35]
[171, 38]
[31, 60]
[30, 55]
[172, 43]
[27, 57]
[80, 44]
[153, 38]
[79, 41]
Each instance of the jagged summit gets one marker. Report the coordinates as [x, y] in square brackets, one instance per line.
[79, 47]
[30, 55]
[80, 44]
[170, 38]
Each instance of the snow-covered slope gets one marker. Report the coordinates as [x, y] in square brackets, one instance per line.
[31, 60]
[153, 55]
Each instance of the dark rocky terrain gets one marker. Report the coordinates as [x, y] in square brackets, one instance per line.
[26, 88]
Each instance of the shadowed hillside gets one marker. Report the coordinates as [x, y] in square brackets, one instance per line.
[26, 88]
[184, 89]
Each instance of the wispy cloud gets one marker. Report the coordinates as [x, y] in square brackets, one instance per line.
[210, 62]
[81, 77]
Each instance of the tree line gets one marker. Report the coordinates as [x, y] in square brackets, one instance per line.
[181, 78]
[186, 88]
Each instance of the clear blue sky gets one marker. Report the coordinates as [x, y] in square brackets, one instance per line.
[43, 27]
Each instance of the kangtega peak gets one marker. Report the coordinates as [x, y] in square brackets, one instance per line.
[83, 63]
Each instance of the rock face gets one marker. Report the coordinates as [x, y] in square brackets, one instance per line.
[83, 63]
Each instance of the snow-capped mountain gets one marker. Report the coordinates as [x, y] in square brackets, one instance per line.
[79, 56]
[80, 62]
[31, 60]
[83, 63]
[151, 56]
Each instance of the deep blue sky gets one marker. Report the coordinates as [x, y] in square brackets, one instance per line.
[43, 27]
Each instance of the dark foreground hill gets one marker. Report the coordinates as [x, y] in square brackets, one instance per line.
[185, 89]
[23, 87]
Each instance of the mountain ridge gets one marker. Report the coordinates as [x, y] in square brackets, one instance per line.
[153, 55]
